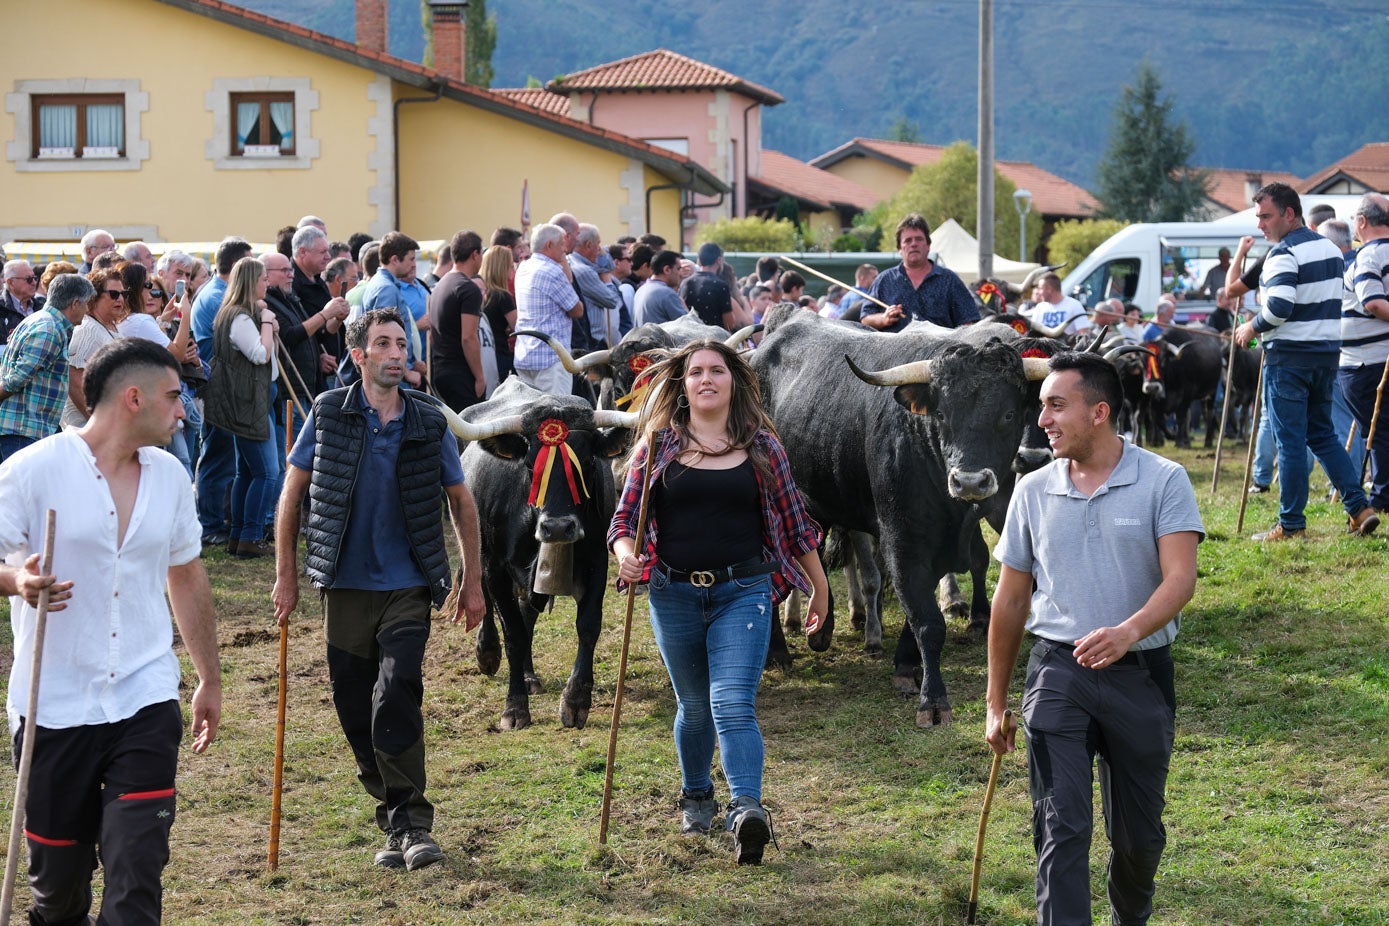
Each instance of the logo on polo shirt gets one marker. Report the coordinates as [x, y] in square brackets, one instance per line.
[1127, 522]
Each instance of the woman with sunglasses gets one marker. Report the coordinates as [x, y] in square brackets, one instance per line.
[155, 317]
[99, 328]
[727, 536]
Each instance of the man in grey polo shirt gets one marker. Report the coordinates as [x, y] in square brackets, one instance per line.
[1108, 532]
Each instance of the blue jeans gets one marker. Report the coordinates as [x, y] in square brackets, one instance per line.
[257, 470]
[714, 644]
[216, 469]
[1358, 386]
[1300, 405]
[1342, 417]
[10, 444]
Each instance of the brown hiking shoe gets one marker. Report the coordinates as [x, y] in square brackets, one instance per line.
[1280, 532]
[1363, 523]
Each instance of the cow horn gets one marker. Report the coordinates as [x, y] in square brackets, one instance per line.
[467, 430]
[918, 371]
[606, 418]
[1094, 347]
[1036, 368]
[741, 335]
[1046, 332]
[1114, 353]
[581, 365]
[1034, 274]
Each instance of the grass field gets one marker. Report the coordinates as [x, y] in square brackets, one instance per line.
[1278, 807]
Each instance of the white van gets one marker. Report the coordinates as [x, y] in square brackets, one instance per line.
[1142, 262]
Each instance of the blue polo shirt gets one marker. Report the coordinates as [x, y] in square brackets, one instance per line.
[942, 298]
[375, 552]
[205, 306]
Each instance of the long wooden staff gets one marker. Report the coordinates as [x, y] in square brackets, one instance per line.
[287, 361]
[829, 279]
[626, 643]
[1225, 411]
[1374, 421]
[1253, 441]
[31, 726]
[1008, 724]
[277, 790]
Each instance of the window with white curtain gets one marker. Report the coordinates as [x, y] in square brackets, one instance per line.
[78, 126]
[262, 124]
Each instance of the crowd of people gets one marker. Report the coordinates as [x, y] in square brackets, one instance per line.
[296, 375]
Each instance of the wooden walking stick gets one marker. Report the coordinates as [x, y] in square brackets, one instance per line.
[626, 643]
[1225, 411]
[1374, 421]
[277, 790]
[1009, 724]
[829, 279]
[1253, 441]
[288, 361]
[31, 726]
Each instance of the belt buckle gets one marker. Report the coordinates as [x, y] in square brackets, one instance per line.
[701, 578]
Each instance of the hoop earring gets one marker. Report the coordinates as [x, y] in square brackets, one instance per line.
[682, 401]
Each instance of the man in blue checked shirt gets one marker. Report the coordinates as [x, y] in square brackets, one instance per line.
[918, 287]
[34, 372]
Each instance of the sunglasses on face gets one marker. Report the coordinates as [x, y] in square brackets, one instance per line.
[157, 293]
[114, 293]
[29, 279]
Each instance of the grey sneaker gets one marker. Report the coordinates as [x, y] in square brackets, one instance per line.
[392, 856]
[697, 810]
[420, 849]
[747, 820]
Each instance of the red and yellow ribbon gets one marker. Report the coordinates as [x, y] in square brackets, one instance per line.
[987, 293]
[554, 433]
[640, 385]
[1020, 326]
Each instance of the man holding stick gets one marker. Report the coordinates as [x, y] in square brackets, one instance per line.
[1365, 338]
[1108, 532]
[372, 459]
[917, 287]
[106, 747]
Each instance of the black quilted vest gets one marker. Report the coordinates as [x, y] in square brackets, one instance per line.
[340, 429]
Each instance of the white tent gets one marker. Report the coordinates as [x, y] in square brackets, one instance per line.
[959, 250]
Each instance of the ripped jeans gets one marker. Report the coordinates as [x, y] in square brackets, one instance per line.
[714, 644]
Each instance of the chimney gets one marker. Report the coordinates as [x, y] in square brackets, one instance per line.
[1252, 184]
[371, 25]
[450, 38]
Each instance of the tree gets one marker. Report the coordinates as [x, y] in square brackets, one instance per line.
[948, 189]
[1146, 173]
[1073, 239]
[752, 234]
[904, 130]
[480, 37]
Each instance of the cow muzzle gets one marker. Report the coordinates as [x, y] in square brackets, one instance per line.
[974, 485]
[566, 529]
[1029, 459]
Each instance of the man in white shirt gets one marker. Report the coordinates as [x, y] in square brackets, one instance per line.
[106, 747]
[1054, 309]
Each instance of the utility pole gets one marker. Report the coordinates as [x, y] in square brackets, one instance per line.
[985, 210]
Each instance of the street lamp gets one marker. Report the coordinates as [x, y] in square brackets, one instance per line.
[1022, 199]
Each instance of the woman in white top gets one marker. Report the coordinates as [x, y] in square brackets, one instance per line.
[239, 398]
[97, 330]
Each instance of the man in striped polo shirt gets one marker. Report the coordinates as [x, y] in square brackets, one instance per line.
[1365, 335]
[1300, 325]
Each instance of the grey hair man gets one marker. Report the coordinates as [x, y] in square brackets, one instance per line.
[95, 243]
[571, 230]
[173, 265]
[327, 313]
[596, 288]
[545, 302]
[1365, 335]
[313, 221]
[18, 300]
[140, 253]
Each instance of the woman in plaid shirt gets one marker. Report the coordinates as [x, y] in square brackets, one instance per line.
[727, 536]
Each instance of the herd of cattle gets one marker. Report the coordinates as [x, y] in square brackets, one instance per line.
[900, 443]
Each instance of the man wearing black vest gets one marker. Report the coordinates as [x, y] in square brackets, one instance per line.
[372, 459]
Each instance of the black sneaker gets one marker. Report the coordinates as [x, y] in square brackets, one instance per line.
[697, 810]
[1257, 489]
[392, 856]
[748, 822]
[420, 849]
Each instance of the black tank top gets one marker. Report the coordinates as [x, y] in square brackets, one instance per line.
[707, 518]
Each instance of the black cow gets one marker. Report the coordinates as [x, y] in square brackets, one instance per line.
[506, 434]
[620, 365]
[1190, 360]
[906, 466]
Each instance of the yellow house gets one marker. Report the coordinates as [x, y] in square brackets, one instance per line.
[235, 123]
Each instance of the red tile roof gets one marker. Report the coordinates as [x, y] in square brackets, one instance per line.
[408, 72]
[812, 185]
[660, 70]
[538, 97]
[1228, 186]
[1369, 165]
[1051, 195]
